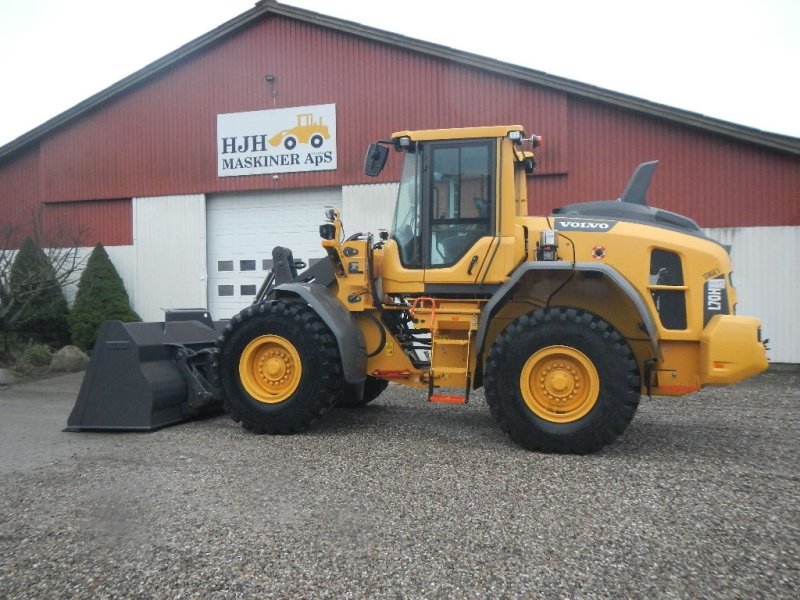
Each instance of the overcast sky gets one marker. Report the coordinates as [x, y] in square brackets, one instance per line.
[735, 60]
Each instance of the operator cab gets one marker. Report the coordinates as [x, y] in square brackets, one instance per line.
[458, 197]
[445, 202]
[445, 222]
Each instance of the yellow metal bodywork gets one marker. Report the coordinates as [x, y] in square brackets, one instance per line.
[627, 248]
[727, 348]
[678, 361]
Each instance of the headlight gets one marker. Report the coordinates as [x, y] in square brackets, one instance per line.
[327, 231]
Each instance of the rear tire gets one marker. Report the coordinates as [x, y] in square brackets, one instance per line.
[279, 367]
[562, 380]
[373, 387]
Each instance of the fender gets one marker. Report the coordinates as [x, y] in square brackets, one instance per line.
[352, 347]
[623, 284]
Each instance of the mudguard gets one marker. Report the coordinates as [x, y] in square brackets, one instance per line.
[612, 274]
[352, 347]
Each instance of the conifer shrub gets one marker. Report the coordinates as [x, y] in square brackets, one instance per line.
[101, 296]
[37, 307]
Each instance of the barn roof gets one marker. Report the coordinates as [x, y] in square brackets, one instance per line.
[264, 8]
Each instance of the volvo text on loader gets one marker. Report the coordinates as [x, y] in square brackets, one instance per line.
[564, 320]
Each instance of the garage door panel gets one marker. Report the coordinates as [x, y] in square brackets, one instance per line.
[244, 228]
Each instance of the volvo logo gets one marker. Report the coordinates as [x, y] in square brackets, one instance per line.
[584, 225]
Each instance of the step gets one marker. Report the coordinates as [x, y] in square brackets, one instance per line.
[451, 341]
[447, 399]
[449, 370]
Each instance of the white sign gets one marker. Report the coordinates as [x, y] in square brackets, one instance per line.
[283, 140]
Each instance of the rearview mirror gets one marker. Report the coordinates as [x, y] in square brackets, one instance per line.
[375, 159]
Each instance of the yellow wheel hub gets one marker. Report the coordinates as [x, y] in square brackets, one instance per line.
[270, 369]
[559, 384]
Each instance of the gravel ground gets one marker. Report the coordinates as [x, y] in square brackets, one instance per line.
[404, 499]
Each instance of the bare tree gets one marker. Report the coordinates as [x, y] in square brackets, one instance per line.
[62, 266]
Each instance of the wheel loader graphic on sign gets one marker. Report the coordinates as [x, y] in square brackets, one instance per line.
[564, 319]
[306, 132]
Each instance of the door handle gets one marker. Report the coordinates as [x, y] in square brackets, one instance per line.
[472, 264]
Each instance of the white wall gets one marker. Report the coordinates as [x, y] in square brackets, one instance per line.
[169, 237]
[368, 208]
[766, 275]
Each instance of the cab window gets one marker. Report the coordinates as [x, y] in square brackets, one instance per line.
[407, 227]
[461, 200]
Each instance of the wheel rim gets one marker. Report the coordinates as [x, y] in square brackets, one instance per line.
[559, 384]
[270, 369]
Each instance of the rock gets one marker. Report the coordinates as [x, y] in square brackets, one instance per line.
[69, 359]
[7, 377]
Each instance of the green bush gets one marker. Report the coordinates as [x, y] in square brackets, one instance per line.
[37, 355]
[101, 296]
[39, 309]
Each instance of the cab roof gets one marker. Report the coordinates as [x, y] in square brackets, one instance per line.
[460, 133]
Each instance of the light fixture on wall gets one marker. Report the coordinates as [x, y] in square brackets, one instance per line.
[271, 79]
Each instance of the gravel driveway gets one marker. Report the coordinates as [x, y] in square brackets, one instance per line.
[404, 499]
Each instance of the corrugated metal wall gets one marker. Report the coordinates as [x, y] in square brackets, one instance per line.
[108, 221]
[766, 274]
[717, 182]
[19, 197]
[158, 139]
[368, 208]
[170, 250]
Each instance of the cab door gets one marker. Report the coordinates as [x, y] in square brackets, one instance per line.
[458, 209]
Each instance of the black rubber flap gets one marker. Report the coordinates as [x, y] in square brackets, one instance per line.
[133, 383]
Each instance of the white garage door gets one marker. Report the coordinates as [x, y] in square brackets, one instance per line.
[244, 227]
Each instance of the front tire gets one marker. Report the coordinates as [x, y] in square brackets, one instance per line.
[279, 367]
[562, 380]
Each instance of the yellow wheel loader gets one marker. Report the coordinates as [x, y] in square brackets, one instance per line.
[564, 320]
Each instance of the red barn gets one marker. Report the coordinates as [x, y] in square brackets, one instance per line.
[181, 170]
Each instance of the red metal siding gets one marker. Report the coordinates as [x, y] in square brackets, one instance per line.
[109, 222]
[714, 180]
[106, 221]
[160, 138]
[19, 197]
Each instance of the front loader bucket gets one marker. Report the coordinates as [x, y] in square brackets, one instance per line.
[138, 379]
